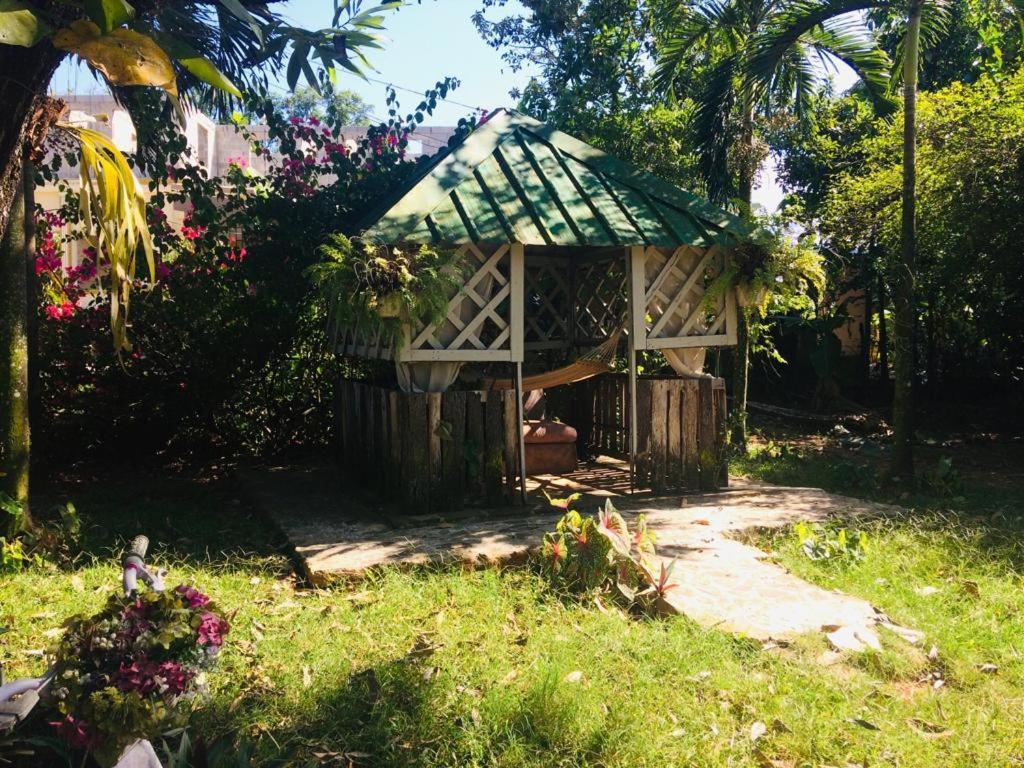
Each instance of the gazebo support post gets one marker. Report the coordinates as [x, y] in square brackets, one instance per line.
[634, 262]
[522, 440]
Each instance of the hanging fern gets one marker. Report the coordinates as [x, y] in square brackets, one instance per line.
[368, 285]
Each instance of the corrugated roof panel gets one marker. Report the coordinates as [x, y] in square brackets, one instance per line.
[646, 218]
[511, 206]
[682, 225]
[576, 208]
[476, 207]
[453, 229]
[610, 211]
[538, 195]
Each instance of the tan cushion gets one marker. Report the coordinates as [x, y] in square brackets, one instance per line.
[539, 432]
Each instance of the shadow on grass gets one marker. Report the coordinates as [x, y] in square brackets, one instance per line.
[188, 522]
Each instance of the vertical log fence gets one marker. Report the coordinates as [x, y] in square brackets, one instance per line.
[429, 452]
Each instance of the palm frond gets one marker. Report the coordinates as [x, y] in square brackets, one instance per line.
[113, 212]
[853, 46]
[769, 47]
[713, 132]
[688, 29]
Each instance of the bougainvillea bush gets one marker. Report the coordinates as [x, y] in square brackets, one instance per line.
[230, 355]
[133, 670]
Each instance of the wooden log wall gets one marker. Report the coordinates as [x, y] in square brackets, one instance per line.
[680, 427]
[429, 452]
[681, 434]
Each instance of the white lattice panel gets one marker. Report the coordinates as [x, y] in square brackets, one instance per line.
[670, 286]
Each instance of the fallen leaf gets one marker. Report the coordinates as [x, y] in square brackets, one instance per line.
[307, 677]
[864, 723]
[53, 632]
[780, 727]
[988, 668]
[255, 580]
[677, 733]
[925, 591]
[574, 677]
[971, 588]
[757, 730]
[702, 521]
[933, 653]
[76, 583]
[929, 730]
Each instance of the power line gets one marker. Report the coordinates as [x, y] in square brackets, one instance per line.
[420, 93]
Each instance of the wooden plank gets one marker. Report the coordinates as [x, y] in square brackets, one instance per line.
[494, 448]
[453, 460]
[659, 408]
[643, 432]
[691, 455]
[718, 388]
[509, 452]
[475, 445]
[706, 437]
[437, 501]
[395, 442]
[674, 434]
[415, 451]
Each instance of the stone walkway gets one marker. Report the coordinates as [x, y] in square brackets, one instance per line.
[720, 582]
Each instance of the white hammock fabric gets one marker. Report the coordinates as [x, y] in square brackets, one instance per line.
[593, 363]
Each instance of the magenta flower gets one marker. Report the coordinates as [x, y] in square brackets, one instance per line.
[193, 597]
[211, 630]
[76, 732]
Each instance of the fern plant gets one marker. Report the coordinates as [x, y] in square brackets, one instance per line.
[370, 286]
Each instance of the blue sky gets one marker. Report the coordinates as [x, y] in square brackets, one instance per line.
[424, 43]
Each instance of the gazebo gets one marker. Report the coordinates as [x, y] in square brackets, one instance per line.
[565, 252]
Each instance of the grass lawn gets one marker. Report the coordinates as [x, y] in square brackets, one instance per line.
[443, 668]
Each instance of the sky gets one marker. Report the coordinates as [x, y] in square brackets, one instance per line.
[426, 43]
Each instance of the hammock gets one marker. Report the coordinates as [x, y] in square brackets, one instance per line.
[593, 363]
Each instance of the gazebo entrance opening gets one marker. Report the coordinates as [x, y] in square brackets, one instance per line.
[575, 269]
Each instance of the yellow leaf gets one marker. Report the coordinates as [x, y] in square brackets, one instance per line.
[124, 56]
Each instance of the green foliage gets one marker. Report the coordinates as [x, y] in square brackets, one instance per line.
[969, 193]
[340, 106]
[600, 554]
[369, 286]
[943, 479]
[823, 543]
[13, 556]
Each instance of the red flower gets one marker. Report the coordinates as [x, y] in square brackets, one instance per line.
[76, 732]
[193, 597]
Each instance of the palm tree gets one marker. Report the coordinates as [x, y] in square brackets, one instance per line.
[925, 20]
[721, 37]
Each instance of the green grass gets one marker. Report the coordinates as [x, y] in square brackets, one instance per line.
[442, 668]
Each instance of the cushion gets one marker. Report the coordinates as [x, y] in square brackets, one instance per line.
[540, 432]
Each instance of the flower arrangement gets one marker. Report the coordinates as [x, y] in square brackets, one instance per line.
[131, 671]
[370, 285]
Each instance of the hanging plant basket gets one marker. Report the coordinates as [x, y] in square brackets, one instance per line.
[389, 305]
[748, 295]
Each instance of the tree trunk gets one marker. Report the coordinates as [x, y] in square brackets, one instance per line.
[741, 357]
[14, 429]
[26, 73]
[905, 273]
[883, 335]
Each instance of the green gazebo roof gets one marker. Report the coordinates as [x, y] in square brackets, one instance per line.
[516, 179]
